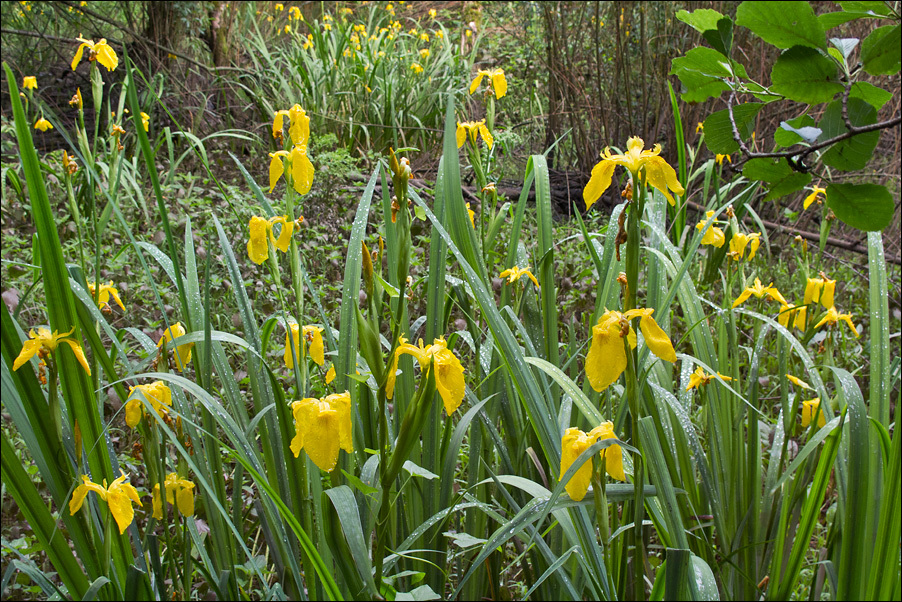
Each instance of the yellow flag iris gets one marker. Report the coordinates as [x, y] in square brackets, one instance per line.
[740, 241]
[323, 427]
[179, 492]
[576, 442]
[658, 173]
[313, 336]
[472, 129]
[820, 290]
[302, 169]
[182, 353]
[157, 393]
[700, 378]
[815, 192]
[496, 76]
[106, 291]
[261, 233]
[714, 236]
[30, 82]
[833, 316]
[118, 496]
[759, 290]
[43, 125]
[514, 274]
[43, 342]
[607, 359]
[449, 372]
[101, 52]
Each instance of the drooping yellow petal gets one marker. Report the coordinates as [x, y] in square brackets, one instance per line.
[301, 170]
[330, 374]
[79, 354]
[29, 350]
[133, 412]
[258, 244]
[449, 377]
[662, 176]
[314, 334]
[182, 353]
[599, 182]
[461, 134]
[573, 444]
[300, 126]
[606, 359]
[486, 135]
[30, 82]
[185, 498]
[827, 293]
[655, 337]
[798, 381]
[81, 492]
[612, 455]
[276, 169]
[475, 84]
[43, 125]
[78, 55]
[813, 196]
[284, 240]
[323, 426]
[499, 83]
[278, 124]
[106, 56]
[341, 403]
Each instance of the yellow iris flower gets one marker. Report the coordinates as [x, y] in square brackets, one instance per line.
[719, 159]
[820, 290]
[714, 236]
[473, 128]
[118, 496]
[295, 13]
[809, 409]
[417, 68]
[182, 353]
[76, 100]
[101, 52]
[106, 291]
[515, 273]
[330, 374]
[42, 343]
[313, 336]
[496, 76]
[740, 241]
[157, 393]
[813, 196]
[323, 427]
[145, 121]
[607, 359]
[261, 232]
[449, 372]
[179, 492]
[658, 173]
[793, 313]
[700, 378]
[576, 442]
[759, 290]
[30, 82]
[43, 125]
[299, 124]
[301, 169]
[833, 316]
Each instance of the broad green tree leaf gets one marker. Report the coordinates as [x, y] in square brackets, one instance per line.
[721, 39]
[719, 130]
[805, 75]
[781, 179]
[853, 153]
[701, 20]
[783, 24]
[881, 51]
[845, 46]
[871, 94]
[702, 70]
[863, 206]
